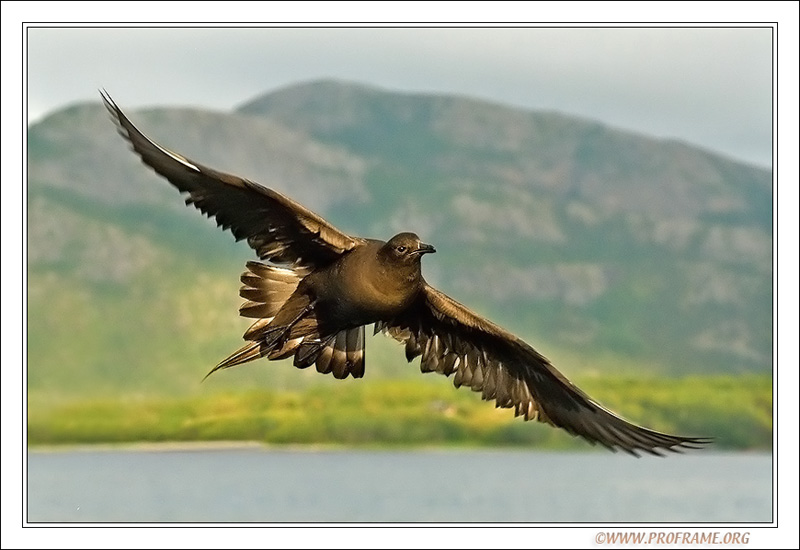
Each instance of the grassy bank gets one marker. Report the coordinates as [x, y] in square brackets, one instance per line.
[736, 411]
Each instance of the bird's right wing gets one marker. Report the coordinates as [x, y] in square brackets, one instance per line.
[276, 227]
[453, 340]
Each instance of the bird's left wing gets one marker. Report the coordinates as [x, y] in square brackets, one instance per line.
[276, 227]
[453, 340]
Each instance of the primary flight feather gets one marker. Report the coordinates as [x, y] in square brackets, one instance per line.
[322, 286]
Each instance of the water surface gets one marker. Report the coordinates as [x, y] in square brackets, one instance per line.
[267, 485]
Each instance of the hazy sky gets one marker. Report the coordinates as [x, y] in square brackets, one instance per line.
[711, 87]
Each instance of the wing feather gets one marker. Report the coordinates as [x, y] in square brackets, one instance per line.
[494, 362]
[276, 227]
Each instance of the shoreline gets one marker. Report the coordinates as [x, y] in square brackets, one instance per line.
[232, 445]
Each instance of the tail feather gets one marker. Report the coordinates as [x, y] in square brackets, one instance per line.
[339, 360]
[287, 350]
[325, 358]
[355, 352]
[250, 351]
[286, 325]
[343, 354]
[266, 288]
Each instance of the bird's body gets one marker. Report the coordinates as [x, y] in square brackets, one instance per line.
[320, 287]
[329, 307]
[372, 282]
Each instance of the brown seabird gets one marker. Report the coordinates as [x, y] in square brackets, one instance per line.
[327, 285]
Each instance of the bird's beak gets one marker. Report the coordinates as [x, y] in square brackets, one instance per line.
[425, 248]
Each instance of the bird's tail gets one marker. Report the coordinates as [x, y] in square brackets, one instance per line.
[266, 289]
[287, 325]
[252, 350]
[341, 354]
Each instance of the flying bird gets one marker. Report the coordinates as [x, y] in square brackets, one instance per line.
[320, 287]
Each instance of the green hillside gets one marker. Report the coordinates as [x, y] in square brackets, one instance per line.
[612, 253]
[737, 411]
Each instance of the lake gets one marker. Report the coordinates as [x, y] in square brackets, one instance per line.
[260, 484]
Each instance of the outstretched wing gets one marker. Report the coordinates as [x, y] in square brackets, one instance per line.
[453, 340]
[275, 226]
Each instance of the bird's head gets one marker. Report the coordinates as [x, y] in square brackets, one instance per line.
[405, 248]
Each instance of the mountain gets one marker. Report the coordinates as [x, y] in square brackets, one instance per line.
[605, 249]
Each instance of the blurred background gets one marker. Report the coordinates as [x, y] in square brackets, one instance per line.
[604, 193]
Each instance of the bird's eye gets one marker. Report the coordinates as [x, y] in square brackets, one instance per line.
[401, 249]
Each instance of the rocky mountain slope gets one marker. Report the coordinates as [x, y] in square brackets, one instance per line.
[604, 249]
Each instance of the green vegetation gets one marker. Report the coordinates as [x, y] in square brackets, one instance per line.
[737, 412]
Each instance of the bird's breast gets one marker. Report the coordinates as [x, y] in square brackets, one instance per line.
[360, 291]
